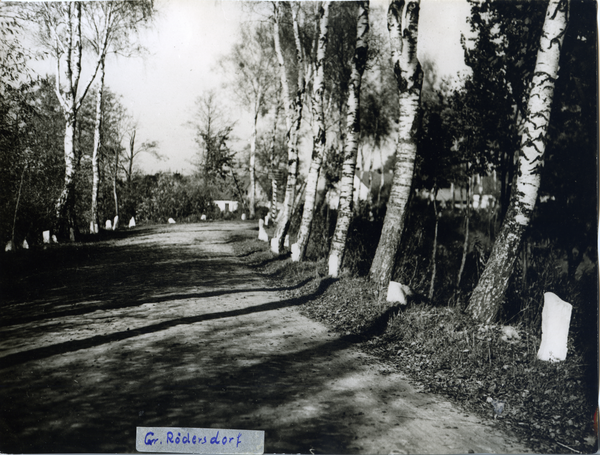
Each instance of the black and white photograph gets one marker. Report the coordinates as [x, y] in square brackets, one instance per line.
[306, 227]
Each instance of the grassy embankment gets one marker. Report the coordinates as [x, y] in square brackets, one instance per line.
[550, 405]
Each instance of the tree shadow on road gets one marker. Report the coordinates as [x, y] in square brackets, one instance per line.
[239, 368]
[86, 403]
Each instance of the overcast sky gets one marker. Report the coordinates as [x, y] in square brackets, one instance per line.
[188, 38]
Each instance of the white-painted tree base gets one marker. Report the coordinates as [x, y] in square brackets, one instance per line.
[132, 222]
[116, 222]
[334, 266]
[556, 318]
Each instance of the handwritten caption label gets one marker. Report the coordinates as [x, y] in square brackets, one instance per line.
[199, 440]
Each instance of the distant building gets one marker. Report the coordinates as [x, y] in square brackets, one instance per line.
[366, 186]
[226, 198]
[227, 205]
[484, 194]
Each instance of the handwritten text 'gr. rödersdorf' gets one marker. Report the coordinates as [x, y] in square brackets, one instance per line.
[199, 440]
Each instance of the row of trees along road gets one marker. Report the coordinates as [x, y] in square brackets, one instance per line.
[70, 34]
[347, 76]
[497, 122]
[64, 117]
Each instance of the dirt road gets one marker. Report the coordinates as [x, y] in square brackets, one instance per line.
[167, 327]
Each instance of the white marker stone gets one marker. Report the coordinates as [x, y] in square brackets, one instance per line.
[25, 245]
[132, 222]
[262, 234]
[398, 292]
[275, 245]
[9, 246]
[509, 333]
[243, 217]
[267, 219]
[108, 224]
[203, 217]
[295, 252]
[556, 318]
[171, 221]
[54, 239]
[46, 236]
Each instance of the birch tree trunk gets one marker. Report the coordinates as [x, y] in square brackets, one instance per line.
[403, 21]
[434, 249]
[130, 159]
[55, 16]
[338, 242]
[97, 144]
[274, 166]
[463, 260]
[115, 194]
[64, 203]
[68, 103]
[487, 297]
[319, 138]
[293, 110]
[252, 198]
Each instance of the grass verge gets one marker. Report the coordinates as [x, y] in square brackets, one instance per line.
[550, 405]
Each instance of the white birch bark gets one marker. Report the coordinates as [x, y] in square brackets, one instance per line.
[97, 145]
[403, 21]
[68, 101]
[252, 195]
[338, 243]
[319, 136]
[274, 166]
[62, 25]
[488, 296]
[293, 110]
[115, 178]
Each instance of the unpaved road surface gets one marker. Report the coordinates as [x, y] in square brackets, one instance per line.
[167, 327]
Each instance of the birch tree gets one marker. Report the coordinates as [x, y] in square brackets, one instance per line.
[293, 113]
[60, 32]
[487, 297]
[319, 136]
[340, 235]
[112, 26]
[403, 21]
